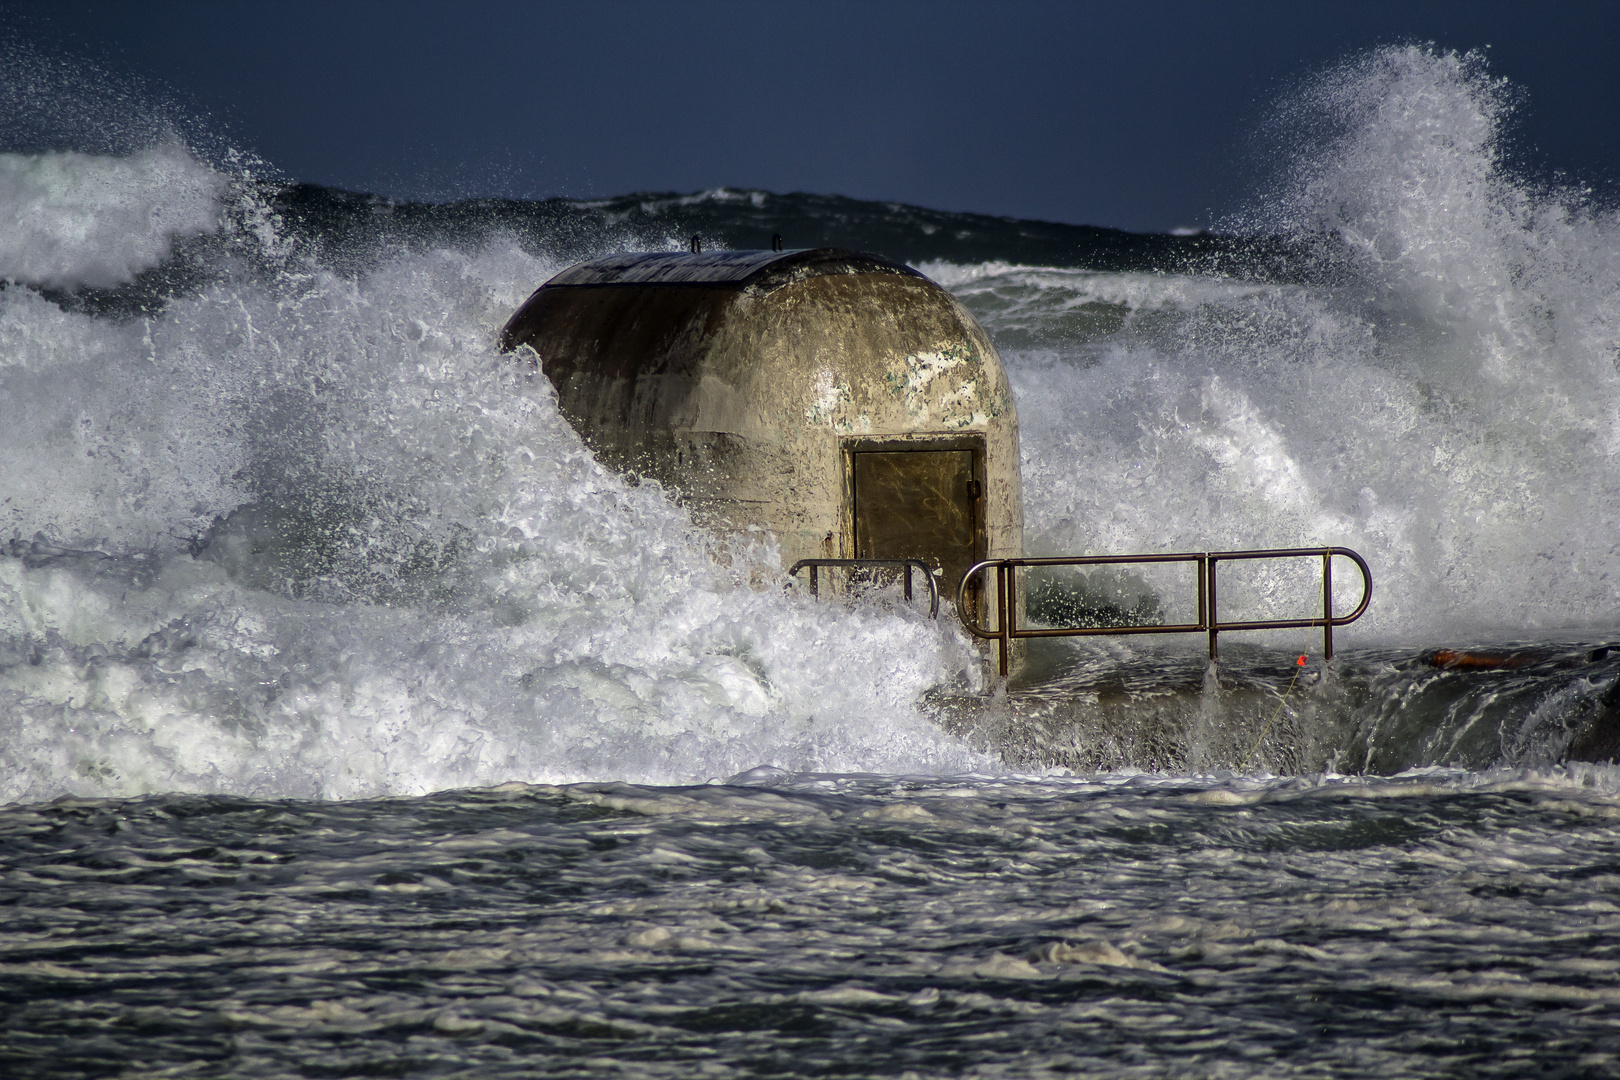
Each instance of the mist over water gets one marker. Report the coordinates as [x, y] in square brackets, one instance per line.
[282, 522]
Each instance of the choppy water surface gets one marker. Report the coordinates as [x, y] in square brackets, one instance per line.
[1440, 924]
[302, 584]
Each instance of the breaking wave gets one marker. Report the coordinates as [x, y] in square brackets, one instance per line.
[282, 522]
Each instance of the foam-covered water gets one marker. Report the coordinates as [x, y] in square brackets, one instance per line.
[1437, 924]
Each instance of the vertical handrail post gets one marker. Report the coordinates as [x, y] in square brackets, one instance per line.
[908, 581]
[1202, 573]
[1006, 627]
[1214, 607]
[1327, 603]
[814, 590]
[1012, 611]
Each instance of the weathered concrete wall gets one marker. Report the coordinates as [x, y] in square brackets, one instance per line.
[748, 402]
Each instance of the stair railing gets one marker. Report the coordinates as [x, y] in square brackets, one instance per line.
[1209, 620]
[874, 564]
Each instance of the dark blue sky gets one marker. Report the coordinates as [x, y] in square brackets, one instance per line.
[1126, 114]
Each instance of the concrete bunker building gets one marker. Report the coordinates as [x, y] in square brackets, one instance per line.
[840, 400]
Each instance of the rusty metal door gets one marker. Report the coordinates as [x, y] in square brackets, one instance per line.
[920, 504]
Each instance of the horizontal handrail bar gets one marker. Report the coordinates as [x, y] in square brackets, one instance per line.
[1329, 620]
[1085, 560]
[1209, 620]
[864, 564]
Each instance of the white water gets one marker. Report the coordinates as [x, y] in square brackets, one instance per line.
[436, 586]
[84, 219]
[563, 625]
[1450, 407]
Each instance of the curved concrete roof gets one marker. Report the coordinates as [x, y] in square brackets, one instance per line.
[753, 271]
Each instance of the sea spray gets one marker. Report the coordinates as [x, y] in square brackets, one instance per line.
[1447, 403]
[285, 523]
[315, 536]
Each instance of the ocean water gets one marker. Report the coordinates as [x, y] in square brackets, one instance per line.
[355, 721]
[1449, 924]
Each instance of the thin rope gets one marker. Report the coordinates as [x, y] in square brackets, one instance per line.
[1299, 666]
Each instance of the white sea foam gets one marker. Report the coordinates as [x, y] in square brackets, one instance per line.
[82, 219]
[1450, 407]
[441, 587]
[416, 577]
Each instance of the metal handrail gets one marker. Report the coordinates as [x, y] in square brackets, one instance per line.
[861, 564]
[1208, 618]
